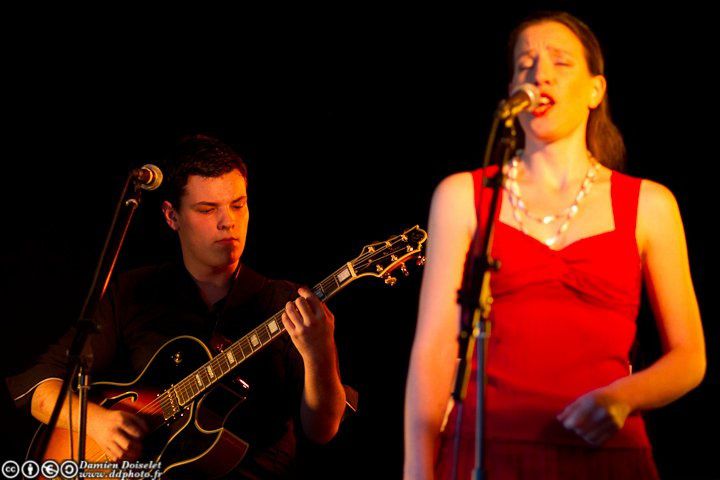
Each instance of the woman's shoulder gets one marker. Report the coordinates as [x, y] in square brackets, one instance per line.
[456, 186]
[656, 195]
[657, 204]
[462, 184]
[658, 213]
[453, 203]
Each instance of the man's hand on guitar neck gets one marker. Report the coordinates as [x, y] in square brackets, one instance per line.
[311, 327]
[117, 433]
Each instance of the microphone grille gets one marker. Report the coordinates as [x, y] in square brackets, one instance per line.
[532, 92]
[156, 177]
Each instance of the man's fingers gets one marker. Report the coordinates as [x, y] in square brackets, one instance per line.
[289, 325]
[308, 315]
[113, 452]
[122, 441]
[133, 425]
[293, 314]
[132, 429]
[311, 298]
[116, 451]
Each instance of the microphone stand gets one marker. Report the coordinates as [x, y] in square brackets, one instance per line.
[79, 362]
[474, 296]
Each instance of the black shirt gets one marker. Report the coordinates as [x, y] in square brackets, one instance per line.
[146, 307]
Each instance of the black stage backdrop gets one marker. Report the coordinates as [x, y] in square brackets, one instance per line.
[347, 120]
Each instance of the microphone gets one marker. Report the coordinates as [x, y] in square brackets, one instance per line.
[525, 97]
[147, 177]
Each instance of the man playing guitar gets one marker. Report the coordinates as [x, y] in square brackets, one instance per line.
[295, 386]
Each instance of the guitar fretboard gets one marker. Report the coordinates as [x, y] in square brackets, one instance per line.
[206, 376]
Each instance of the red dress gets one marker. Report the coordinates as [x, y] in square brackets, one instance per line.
[563, 324]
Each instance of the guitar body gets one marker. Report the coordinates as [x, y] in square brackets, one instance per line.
[191, 444]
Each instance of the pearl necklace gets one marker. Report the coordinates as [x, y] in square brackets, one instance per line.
[520, 210]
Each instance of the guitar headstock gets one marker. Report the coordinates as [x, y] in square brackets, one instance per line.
[381, 258]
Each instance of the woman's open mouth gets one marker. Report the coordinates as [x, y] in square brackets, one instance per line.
[545, 104]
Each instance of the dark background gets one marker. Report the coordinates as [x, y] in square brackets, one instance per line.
[347, 119]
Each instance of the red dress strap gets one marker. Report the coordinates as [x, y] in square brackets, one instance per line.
[625, 192]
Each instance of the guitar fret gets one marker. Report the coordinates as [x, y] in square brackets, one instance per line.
[258, 336]
[223, 363]
[246, 348]
[342, 275]
[319, 291]
[179, 393]
[182, 388]
[237, 351]
[264, 334]
[217, 371]
[230, 357]
[273, 327]
[205, 378]
[217, 367]
[190, 388]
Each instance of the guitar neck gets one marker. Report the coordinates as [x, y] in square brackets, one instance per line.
[206, 376]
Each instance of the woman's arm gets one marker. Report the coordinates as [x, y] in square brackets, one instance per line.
[451, 225]
[666, 272]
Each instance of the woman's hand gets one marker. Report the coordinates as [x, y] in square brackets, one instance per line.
[595, 416]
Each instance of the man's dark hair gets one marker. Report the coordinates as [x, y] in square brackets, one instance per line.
[199, 155]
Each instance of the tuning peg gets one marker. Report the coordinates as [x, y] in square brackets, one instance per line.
[420, 260]
[404, 269]
[390, 280]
